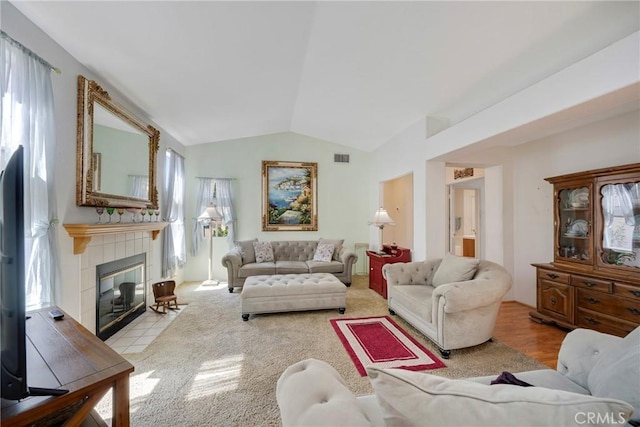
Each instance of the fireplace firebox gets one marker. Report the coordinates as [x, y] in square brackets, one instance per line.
[121, 294]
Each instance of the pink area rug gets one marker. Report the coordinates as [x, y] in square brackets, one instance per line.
[380, 342]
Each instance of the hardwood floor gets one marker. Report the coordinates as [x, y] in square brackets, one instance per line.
[538, 341]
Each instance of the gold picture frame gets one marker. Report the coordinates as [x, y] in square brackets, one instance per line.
[289, 196]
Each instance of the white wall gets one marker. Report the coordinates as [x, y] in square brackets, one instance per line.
[343, 210]
[65, 95]
[487, 140]
[610, 142]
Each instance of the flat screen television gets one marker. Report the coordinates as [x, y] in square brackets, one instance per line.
[13, 316]
[12, 288]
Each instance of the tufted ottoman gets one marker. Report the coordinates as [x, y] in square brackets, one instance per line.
[292, 292]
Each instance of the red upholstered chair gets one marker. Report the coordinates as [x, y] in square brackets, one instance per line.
[163, 292]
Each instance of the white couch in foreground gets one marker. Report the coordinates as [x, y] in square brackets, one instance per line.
[597, 382]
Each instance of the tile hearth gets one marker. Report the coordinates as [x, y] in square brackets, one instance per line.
[141, 332]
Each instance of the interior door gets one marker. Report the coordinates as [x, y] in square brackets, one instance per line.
[464, 221]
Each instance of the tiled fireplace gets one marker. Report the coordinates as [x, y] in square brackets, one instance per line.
[121, 294]
[105, 249]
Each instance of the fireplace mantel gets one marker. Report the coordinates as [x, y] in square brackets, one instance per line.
[82, 233]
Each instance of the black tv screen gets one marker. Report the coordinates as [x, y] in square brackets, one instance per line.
[12, 280]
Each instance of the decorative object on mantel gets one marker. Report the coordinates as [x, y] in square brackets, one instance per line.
[380, 219]
[82, 233]
[462, 173]
[211, 218]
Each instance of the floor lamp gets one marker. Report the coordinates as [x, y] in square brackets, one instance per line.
[380, 219]
[211, 218]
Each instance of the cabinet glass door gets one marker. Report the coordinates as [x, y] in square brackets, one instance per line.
[574, 227]
[621, 224]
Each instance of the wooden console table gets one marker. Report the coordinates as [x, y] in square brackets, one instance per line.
[378, 260]
[64, 354]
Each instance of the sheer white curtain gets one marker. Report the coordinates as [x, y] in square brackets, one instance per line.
[139, 186]
[224, 197]
[224, 194]
[27, 119]
[203, 197]
[174, 246]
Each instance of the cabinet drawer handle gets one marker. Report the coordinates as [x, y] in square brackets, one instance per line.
[634, 311]
[591, 320]
[553, 275]
[635, 293]
[588, 283]
[593, 300]
[554, 301]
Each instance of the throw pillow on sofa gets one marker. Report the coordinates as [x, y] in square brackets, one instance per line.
[263, 251]
[454, 268]
[324, 252]
[246, 250]
[414, 398]
[337, 246]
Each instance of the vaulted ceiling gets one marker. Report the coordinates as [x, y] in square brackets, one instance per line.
[354, 73]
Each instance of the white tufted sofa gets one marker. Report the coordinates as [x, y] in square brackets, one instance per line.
[291, 257]
[453, 315]
[597, 382]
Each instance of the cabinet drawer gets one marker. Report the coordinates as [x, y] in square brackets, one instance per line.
[627, 291]
[603, 323]
[609, 304]
[591, 283]
[556, 276]
[555, 300]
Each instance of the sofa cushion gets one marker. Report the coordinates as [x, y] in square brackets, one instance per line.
[246, 250]
[617, 373]
[324, 252]
[549, 378]
[263, 251]
[414, 398]
[325, 267]
[416, 298]
[257, 269]
[337, 246]
[455, 269]
[291, 267]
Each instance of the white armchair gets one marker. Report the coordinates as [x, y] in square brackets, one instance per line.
[454, 301]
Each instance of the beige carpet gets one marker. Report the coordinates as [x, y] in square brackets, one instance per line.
[209, 368]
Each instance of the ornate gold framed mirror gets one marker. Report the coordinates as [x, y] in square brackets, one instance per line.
[116, 153]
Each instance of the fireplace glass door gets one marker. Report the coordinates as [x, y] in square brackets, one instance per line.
[121, 294]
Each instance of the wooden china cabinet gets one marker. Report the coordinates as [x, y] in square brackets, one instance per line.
[390, 254]
[594, 279]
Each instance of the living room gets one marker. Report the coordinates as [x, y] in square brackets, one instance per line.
[582, 115]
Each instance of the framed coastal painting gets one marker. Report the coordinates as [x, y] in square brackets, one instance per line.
[289, 196]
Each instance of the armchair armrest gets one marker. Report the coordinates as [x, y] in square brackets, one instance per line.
[470, 294]
[312, 392]
[580, 351]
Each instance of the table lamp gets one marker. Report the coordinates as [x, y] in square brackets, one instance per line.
[380, 219]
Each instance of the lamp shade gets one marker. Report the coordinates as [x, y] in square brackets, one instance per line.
[211, 213]
[381, 218]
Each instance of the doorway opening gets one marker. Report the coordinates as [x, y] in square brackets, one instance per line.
[397, 199]
[465, 220]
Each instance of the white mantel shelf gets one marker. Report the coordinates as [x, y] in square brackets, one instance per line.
[82, 233]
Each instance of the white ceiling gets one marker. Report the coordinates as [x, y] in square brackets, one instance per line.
[354, 73]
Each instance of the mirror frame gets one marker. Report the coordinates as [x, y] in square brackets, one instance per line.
[89, 93]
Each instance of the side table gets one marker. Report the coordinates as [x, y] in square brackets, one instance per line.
[377, 260]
